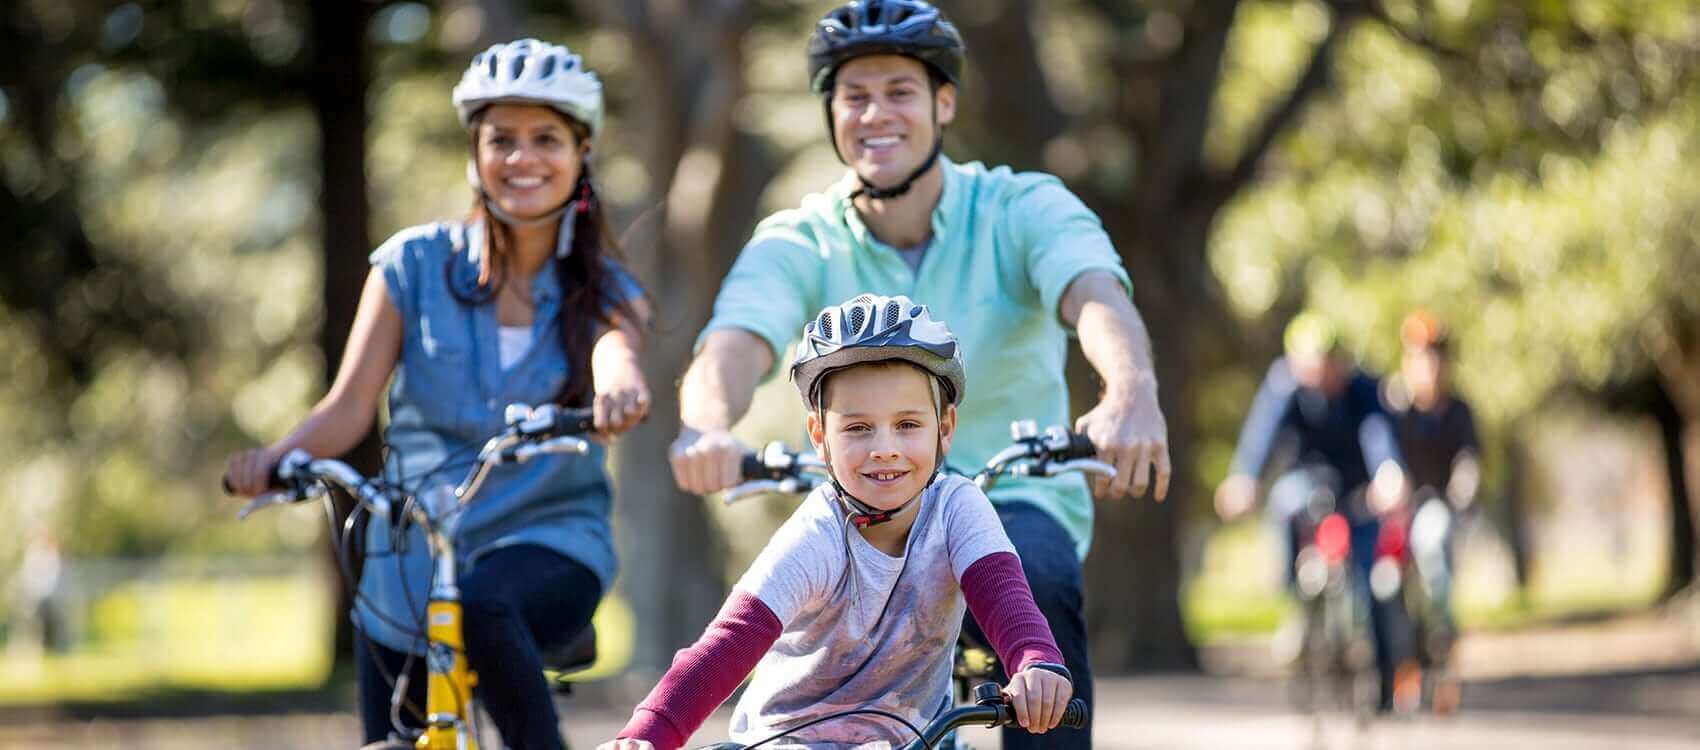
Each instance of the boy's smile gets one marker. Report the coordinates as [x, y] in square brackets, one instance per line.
[882, 432]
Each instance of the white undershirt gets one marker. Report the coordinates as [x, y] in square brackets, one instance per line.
[512, 342]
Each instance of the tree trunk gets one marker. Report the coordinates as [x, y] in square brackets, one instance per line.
[1681, 553]
[338, 85]
[708, 176]
[1518, 486]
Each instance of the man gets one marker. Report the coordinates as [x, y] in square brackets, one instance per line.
[1013, 262]
[1317, 419]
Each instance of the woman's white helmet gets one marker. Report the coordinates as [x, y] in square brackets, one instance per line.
[871, 328]
[532, 72]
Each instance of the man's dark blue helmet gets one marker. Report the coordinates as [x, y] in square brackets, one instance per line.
[912, 28]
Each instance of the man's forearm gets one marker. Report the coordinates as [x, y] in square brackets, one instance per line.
[718, 386]
[1112, 335]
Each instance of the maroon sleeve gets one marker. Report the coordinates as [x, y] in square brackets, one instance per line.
[1001, 602]
[706, 673]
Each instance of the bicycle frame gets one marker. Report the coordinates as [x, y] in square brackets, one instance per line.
[449, 708]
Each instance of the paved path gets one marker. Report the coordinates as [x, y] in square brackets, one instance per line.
[1630, 684]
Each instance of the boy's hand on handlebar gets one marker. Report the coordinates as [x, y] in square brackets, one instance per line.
[248, 473]
[1131, 435]
[624, 744]
[1039, 698]
[706, 462]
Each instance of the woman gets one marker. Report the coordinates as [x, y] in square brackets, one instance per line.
[524, 301]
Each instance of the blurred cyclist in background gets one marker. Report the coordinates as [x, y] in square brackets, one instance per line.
[1317, 418]
[1437, 434]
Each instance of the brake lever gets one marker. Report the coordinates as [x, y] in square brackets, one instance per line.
[1085, 465]
[277, 497]
[562, 444]
[747, 489]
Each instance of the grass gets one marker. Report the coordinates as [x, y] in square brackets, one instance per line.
[224, 635]
[1237, 591]
[219, 635]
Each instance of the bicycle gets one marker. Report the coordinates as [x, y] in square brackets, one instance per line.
[990, 709]
[1335, 658]
[1057, 450]
[1411, 553]
[451, 709]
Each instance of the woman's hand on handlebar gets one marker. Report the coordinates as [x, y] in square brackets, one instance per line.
[1039, 698]
[248, 474]
[624, 744]
[622, 404]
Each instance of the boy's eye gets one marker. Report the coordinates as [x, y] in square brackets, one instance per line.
[909, 424]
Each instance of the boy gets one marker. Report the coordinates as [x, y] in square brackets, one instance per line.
[857, 600]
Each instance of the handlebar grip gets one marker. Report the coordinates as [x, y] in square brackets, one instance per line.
[1079, 446]
[1074, 716]
[573, 422]
[274, 481]
[753, 468]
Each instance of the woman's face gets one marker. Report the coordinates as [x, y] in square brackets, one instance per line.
[529, 159]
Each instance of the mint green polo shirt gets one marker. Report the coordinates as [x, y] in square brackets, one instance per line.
[1005, 247]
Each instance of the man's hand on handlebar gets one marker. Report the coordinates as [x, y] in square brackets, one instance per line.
[1235, 496]
[1039, 698]
[706, 462]
[1131, 435]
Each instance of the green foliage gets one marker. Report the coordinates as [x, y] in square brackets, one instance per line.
[1523, 170]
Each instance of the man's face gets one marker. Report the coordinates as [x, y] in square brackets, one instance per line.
[882, 114]
[1319, 372]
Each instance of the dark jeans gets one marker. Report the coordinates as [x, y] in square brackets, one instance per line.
[1053, 572]
[514, 600]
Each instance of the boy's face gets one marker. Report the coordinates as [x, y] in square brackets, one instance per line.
[882, 432]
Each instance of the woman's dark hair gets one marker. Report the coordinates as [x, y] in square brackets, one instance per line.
[588, 304]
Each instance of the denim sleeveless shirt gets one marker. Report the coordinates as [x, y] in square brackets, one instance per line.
[446, 398]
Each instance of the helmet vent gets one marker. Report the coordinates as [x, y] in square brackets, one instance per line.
[892, 309]
[548, 68]
[490, 64]
[519, 66]
[825, 325]
[857, 318]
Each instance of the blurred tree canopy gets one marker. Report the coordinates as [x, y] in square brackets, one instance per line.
[193, 187]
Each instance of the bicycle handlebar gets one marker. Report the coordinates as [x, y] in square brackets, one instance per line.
[988, 714]
[530, 432]
[1058, 450]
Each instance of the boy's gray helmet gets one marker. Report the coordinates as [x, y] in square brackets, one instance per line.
[874, 27]
[871, 328]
